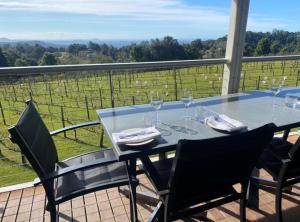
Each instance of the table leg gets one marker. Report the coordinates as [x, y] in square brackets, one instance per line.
[253, 194]
[131, 166]
[162, 156]
[144, 197]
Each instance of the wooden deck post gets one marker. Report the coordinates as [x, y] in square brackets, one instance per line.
[235, 46]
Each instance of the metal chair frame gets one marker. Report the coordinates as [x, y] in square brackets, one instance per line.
[281, 183]
[47, 179]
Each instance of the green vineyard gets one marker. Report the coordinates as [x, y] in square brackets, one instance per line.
[68, 98]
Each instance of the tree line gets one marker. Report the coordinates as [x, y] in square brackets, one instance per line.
[277, 42]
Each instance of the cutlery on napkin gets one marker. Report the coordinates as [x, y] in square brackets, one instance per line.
[223, 122]
[135, 135]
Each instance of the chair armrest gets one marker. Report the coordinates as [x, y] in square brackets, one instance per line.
[72, 127]
[163, 192]
[63, 171]
[285, 161]
[277, 156]
[37, 181]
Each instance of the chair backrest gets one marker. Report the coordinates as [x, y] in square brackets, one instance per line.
[294, 155]
[213, 165]
[34, 140]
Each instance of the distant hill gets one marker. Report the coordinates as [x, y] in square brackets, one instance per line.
[64, 43]
[5, 41]
[115, 43]
[78, 51]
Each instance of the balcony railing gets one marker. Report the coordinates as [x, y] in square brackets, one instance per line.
[69, 94]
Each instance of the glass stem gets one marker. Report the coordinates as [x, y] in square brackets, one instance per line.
[186, 125]
[156, 117]
[186, 112]
[274, 107]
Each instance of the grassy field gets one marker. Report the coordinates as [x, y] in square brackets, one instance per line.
[68, 98]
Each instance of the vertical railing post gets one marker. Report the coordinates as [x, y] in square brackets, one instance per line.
[87, 107]
[66, 92]
[63, 119]
[244, 78]
[175, 84]
[15, 95]
[111, 89]
[2, 113]
[258, 83]
[100, 95]
[30, 96]
[50, 94]
[235, 46]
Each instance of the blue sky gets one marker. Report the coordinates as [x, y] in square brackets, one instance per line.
[137, 19]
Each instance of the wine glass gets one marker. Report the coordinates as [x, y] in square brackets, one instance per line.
[276, 86]
[187, 99]
[156, 102]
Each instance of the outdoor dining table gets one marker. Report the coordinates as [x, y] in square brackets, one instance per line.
[253, 109]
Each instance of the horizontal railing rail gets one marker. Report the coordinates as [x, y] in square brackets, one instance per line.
[29, 70]
[109, 66]
[270, 58]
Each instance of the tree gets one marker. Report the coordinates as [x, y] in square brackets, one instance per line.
[48, 59]
[167, 49]
[35, 52]
[263, 47]
[21, 62]
[3, 60]
[196, 48]
[140, 53]
[94, 46]
[76, 48]
[275, 47]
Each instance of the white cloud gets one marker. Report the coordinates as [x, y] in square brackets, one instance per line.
[157, 10]
[173, 17]
[261, 23]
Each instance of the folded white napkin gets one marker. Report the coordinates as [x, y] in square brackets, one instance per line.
[135, 135]
[223, 122]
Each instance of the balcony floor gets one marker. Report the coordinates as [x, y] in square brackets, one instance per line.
[109, 205]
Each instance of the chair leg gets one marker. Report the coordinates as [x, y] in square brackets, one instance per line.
[131, 168]
[243, 209]
[253, 193]
[53, 214]
[156, 213]
[243, 203]
[278, 205]
[132, 201]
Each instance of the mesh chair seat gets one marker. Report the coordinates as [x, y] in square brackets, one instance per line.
[88, 179]
[271, 158]
[163, 168]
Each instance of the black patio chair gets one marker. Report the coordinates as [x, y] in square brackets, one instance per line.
[203, 173]
[282, 161]
[70, 178]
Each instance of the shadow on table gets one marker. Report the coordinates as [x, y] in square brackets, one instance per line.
[181, 129]
[157, 141]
